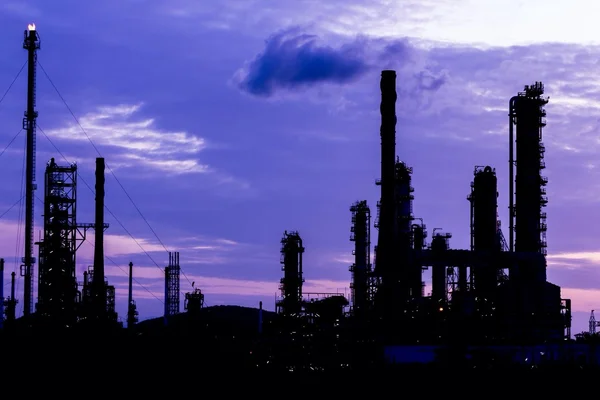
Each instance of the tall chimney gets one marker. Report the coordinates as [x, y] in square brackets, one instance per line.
[98, 279]
[386, 259]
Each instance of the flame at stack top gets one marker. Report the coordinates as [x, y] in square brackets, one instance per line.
[31, 27]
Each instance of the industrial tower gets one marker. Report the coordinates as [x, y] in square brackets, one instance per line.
[291, 283]
[57, 286]
[361, 285]
[386, 257]
[31, 44]
[172, 272]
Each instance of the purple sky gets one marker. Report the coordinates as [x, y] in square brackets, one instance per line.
[230, 123]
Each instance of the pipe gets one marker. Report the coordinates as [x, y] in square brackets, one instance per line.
[13, 299]
[1, 293]
[511, 174]
[260, 317]
[130, 300]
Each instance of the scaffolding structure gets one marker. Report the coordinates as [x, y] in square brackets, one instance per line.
[57, 285]
[172, 272]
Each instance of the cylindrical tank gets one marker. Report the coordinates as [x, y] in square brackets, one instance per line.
[485, 204]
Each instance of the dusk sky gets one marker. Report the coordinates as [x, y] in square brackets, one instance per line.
[229, 122]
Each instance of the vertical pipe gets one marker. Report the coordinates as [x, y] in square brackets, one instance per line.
[13, 299]
[130, 299]
[260, 317]
[1, 293]
[98, 278]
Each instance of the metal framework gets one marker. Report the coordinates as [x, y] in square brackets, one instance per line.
[172, 272]
[291, 283]
[362, 289]
[31, 43]
[57, 286]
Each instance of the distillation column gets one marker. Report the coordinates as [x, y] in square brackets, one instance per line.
[361, 269]
[291, 283]
[530, 220]
[439, 279]
[409, 269]
[31, 44]
[484, 226]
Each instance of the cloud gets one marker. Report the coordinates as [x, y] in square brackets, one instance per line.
[152, 278]
[292, 59]
[136, 141]
[484, 22]
[572, 257]
[582, 299]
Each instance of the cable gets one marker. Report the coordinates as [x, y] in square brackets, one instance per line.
[107, 166]
[13, 82]
[127, 274]
[118, 266]
[107, 209]
[11, 141]
[11, 207]
[105, 206]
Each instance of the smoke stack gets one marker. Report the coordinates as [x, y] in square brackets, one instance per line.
[98, 279]
[385, 241]
[388, 133]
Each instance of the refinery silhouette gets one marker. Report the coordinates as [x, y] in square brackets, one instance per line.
[489, 305]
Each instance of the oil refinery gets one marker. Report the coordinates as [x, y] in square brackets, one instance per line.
[492, 298]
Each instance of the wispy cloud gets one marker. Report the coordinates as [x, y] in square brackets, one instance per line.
[152, 279]
[135, 140]
[485, 22]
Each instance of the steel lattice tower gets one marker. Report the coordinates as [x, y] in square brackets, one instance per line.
[57, 286]
[172, 272]
[31, 44]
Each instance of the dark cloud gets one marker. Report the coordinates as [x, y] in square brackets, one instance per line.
[292, 60]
